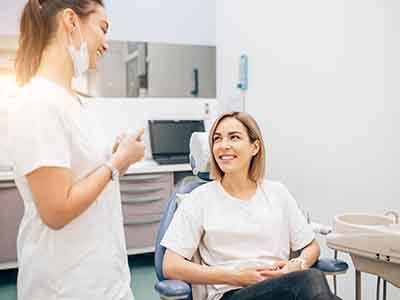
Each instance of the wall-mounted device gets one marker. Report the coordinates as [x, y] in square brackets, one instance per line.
[243, 72]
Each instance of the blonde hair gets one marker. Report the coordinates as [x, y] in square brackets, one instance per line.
[258, 162]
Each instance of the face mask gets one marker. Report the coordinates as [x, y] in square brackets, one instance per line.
[80, 56]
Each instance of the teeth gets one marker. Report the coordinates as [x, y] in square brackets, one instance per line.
[227, 157]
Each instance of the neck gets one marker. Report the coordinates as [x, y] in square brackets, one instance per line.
[239, 185]
[56, 66]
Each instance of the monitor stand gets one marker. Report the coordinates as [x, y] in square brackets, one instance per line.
[171, 159]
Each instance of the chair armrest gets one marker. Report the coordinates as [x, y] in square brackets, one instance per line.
[331, 266]
[173, 289]
[320, 228]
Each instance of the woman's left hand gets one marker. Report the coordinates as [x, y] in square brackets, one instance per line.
[271, 273]
[276, 270]
[288, 266]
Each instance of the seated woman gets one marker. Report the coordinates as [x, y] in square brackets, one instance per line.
[243, 226]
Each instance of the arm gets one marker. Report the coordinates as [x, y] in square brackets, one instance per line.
[177, 267]
[310, 253]
[59, 200]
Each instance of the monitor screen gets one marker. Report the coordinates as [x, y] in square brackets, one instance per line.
[170, 137]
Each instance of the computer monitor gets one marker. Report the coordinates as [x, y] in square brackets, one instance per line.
[170, 139]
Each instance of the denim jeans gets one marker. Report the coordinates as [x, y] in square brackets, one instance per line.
[305, 285]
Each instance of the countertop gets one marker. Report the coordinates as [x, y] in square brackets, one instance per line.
[143, 167]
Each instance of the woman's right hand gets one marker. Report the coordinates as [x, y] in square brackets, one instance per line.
[248, 276]
[129, 150]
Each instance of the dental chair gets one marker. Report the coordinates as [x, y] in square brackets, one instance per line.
[176, 289]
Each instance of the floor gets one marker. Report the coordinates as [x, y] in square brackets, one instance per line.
[141, 266]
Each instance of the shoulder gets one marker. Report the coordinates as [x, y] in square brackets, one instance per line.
[277, 191]
[30, 102]
[200, 196]
[35, 104]
[272, 186]
[205, 189]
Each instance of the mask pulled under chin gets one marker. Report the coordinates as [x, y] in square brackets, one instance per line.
[80, 58]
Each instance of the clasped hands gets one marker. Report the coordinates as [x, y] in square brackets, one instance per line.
[249, 276]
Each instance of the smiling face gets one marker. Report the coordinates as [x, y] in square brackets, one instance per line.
[94, 30]
[231, 146]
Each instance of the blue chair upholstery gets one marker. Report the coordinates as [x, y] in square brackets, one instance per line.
[176, 289]
[331, 265]
[172, 289]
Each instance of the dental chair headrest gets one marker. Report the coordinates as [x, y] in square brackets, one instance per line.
[200, 155]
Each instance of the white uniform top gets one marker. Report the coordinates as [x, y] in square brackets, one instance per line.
[231, 233]
[87, 258]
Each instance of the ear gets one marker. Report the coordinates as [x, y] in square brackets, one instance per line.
[69, 19]
[256, 148]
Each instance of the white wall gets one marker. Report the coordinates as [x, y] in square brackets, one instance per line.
[127, 115]
[10, 13]
[324, 87]
[174, 21]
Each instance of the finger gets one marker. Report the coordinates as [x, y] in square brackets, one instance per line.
[263, 269]
[262, 278]
[270, 273]
[121, 137]
[280, 264]
[140, 134]
[115, 147]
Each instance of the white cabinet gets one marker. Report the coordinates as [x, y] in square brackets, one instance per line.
[143, 197]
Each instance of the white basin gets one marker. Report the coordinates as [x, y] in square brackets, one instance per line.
[361, 223]
[391, 228]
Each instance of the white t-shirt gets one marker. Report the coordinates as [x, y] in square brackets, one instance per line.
[87, 258]
[231, 233]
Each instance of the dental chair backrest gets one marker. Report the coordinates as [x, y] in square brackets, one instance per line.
[199, 157]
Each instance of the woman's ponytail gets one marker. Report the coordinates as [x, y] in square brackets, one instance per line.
[34, 33]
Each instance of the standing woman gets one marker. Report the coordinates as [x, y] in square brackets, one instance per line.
[71, 241]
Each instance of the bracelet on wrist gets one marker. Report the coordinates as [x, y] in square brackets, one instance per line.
[114, 170]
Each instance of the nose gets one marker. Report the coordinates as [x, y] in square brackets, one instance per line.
[225, 143]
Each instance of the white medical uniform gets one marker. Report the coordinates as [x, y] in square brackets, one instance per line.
[87, 258]
[231, 233]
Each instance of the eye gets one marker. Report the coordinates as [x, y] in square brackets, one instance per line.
[216, 138]
[235, 137]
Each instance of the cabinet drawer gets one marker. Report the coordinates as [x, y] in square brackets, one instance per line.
[145, 178]
[11, 212]
[140, 198]
[138, 204]
[141, 231]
